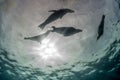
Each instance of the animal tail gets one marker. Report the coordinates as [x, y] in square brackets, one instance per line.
[42, 25]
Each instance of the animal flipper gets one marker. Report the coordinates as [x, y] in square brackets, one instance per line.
[26, 38]
[52, 10]
[53, 27]
[98, 37]
[42, 25]
[29, 38]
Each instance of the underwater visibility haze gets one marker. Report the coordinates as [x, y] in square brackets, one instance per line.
[89, 50]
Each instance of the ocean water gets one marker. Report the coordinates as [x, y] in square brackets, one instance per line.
[78, 57]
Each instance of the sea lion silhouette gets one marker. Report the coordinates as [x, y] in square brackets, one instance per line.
[55, 15]
[101, 27]
[38, 38]
[66, 31]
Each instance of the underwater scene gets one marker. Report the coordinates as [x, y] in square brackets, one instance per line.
[59, 39]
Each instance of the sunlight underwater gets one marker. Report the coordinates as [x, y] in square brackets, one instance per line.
[77, 57]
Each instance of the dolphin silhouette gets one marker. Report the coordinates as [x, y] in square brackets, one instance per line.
[55, 15]
[66, 31]
[101, 27]
[38, 38]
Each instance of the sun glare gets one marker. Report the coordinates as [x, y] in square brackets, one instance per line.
[48, 52]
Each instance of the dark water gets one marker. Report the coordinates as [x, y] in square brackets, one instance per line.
[106, 68]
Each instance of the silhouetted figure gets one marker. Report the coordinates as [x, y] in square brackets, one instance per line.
[54, 16]
[101, 27]
[66, 31]
[38, 38]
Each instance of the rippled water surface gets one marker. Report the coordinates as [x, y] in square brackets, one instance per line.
[76, 57]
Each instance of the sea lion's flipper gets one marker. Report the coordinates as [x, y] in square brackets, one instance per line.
[42, 25]
[26, 38]
[98, 37]
[52, 10]
[53, 28]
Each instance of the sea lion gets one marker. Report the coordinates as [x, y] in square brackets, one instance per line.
[38, 38]
[101, 27]
[55, 15]
[66, 31]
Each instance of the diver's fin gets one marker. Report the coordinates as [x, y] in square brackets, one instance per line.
[52, 10]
